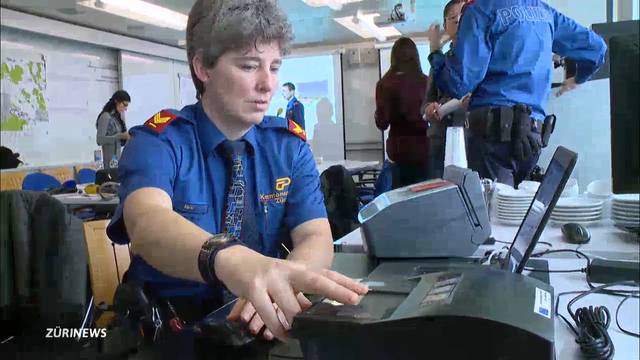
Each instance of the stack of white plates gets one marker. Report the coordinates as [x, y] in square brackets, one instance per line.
[585, 211]
[512, 205]
[625, 210]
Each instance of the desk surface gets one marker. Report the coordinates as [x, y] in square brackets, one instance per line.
[351, 165]
[79, 199]
[606, 241]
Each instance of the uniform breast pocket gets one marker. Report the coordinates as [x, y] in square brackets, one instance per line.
[191, 210]
[273, 217]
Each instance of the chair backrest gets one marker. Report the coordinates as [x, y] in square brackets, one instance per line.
[384, 182]
[340, 199]
[107, 263]
[62, 173]
[11, 180]
[39, 182]
[86, 176]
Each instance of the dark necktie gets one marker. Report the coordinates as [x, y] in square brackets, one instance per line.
[234, 206]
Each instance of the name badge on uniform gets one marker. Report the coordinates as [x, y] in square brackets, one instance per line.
[191, 207]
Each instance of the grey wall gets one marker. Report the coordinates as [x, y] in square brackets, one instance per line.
[363, 139]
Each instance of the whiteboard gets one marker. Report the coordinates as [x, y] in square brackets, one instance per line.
[80, 78]
[150, 83]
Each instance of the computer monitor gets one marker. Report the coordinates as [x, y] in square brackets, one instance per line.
[625, 112]
[556, 176]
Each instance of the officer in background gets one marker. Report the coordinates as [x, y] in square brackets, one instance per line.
[295, 109]
[436, 96]
[208, 192]
[503, 57]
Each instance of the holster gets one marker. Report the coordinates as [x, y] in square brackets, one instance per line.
[548, 126]
[494, 124]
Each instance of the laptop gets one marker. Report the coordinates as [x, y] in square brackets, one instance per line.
[534, 222]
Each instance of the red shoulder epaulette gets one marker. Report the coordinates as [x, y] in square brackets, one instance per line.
[160, 120]
[297, 130]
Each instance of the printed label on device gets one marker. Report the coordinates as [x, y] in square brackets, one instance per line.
[542, 305]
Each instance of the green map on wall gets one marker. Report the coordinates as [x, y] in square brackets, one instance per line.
[23, 91]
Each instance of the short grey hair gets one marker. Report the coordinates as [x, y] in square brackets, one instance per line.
[217, 26]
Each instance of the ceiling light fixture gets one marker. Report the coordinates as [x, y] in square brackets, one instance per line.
[333, 4]
[363, 25]
[142, 11]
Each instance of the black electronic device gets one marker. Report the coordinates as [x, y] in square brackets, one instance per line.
[410, 313]
[607, 31]
[604, 271]
[555, 178]
[624, 82]
[480, 313]
[222, 332]
[576, 233]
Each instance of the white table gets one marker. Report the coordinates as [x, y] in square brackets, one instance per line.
[626, 347]
[606, 241]
[351, 165]
[85, 200]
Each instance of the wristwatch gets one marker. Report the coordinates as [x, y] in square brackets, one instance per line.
[208, 252]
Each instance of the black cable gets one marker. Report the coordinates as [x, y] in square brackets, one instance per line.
[540, 254]
[583, 255]
[617, 320]
[592, 323]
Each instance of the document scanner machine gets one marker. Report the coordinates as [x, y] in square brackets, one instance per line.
[469, 312]
[438, 218]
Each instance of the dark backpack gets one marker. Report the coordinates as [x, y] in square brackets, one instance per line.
[340, 199]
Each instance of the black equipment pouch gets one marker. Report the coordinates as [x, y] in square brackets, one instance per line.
[548, 126]
[506, 124]
[524, 144]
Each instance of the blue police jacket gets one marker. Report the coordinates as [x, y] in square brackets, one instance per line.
[503, 53]
[295, 112]
[175, 151]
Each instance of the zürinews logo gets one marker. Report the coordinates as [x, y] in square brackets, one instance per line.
[74, 333]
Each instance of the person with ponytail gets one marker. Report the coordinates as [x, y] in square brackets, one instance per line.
[111, 129]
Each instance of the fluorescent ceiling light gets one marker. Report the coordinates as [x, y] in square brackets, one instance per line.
[140, 11]
[364, 26]
[333, 4]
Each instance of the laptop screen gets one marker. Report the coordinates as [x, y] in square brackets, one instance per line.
[535, 220]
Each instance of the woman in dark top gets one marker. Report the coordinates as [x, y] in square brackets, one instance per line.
[111, 129]
[399, 97]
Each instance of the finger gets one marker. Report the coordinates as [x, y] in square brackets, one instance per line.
[264, 308]
[256, 324]
[346, 281]
[268, 334]
[237, 309]
[314, 283]
[284, 296]
[282, 318]
[247, 313]
[303, 301]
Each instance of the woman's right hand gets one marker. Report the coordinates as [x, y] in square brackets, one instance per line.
[431, 111]
[124, 136]
[265, 281]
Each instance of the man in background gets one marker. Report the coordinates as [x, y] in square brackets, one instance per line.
[295, 109]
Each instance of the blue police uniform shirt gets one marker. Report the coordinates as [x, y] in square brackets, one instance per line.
[183, 160]
[504, 49]
[295, 112]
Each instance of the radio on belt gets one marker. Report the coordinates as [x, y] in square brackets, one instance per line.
[437, 218]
